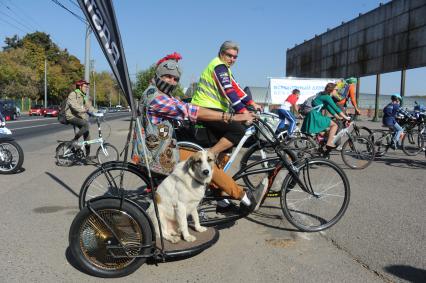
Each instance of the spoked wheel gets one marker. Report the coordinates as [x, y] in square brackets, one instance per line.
[106, 244]
[358, 152]
[258, 152]
[413, 143]
[11, 157]
[303, 147]
[107, 153]
[323, 202]
[113, 179]
[64, 154]
[210, 216]
[381, 142]
[361, 131]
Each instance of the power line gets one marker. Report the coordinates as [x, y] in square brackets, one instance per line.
[15, 20]
[12, 25]
[22, 19]
[23, 12]
[71, 12]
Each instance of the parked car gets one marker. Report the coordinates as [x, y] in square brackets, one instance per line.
[36, 110]
[51, 111]
[8, 109]
[112, 110]
[103, 110]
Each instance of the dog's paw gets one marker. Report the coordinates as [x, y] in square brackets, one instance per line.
[189, 238]
[200, 229]
[173, 239]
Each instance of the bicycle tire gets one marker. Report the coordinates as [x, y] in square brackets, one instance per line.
[89, 238]
[252, 155]
[20, 157]
[325, 185]
[106, 181]
[112, 152]
[303, 146]
[361, 149]
[381, 141]
[62, 160]
[361, 131]
[413, 143]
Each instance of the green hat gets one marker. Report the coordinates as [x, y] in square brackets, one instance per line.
[351, 80]
[396, 96]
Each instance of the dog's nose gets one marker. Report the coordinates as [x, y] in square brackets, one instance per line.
[206, 172]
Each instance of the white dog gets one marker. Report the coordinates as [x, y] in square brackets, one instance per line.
[179, 195]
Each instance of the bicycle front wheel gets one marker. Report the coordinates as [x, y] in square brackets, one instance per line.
[413, 143]
[358, 152]
[114, 179]
[107, 153]
[323, 200]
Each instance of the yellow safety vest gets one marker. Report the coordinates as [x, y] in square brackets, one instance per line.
[207, 93]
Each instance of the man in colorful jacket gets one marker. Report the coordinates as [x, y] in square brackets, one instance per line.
[218, 90]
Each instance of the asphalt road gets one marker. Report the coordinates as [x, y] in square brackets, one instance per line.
[381, 238]
[32, 126]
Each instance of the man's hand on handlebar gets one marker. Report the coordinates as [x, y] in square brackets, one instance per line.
[247, 117]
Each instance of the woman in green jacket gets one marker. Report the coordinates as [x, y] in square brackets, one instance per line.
[315, 122]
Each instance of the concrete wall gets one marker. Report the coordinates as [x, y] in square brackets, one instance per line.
[389, 38]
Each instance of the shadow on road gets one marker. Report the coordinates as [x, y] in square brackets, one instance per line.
[407, 272]
[271, 217]
[60, 182]
[402, 162]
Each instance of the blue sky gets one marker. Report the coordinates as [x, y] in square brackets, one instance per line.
[152, 29]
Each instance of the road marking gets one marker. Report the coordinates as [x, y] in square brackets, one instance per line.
[31, 120]
[34, 126]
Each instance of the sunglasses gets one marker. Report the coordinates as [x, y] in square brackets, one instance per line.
[230, 55]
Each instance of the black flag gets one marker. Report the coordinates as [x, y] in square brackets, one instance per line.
[100, 14]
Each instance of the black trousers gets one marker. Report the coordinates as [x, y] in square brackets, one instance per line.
[83, 126]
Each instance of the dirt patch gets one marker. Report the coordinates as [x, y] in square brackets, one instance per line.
[281, 243]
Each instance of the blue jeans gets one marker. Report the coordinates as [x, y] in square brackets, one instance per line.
[398, 131]
[286, 115]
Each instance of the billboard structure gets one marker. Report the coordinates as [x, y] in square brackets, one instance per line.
[389, 38]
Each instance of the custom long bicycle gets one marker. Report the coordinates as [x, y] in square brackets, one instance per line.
[67, 154]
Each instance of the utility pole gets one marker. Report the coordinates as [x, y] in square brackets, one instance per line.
[87, 55]
[45, 83]
[92, 68]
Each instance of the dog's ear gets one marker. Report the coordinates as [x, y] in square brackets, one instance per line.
[188, 163]
[211, 157]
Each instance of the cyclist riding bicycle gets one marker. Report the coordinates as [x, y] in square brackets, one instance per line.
[218, 90]
[346, 91]
[390, 113]
[77, 111]
[160, 108]
[315, 122]
[285, 112]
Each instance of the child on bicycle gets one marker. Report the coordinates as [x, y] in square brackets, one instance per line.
[389, 118]
[285, 112]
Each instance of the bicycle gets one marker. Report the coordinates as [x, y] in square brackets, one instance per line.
[357, 151]
[11, 153]
[112, 236]
[68, 154]
[100, 183]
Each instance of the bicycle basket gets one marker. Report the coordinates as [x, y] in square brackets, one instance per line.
[273, 121]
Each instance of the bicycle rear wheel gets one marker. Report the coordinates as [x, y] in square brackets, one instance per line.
[109, 153]
[413, 143]
[12, 157]
[113, 179]
[64, 154]
[303, 146]
[358, 152]
[325, 200]
[110, 251]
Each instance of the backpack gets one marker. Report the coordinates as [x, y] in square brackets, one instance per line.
[61, 113]
[306, 106]
[343, 91]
